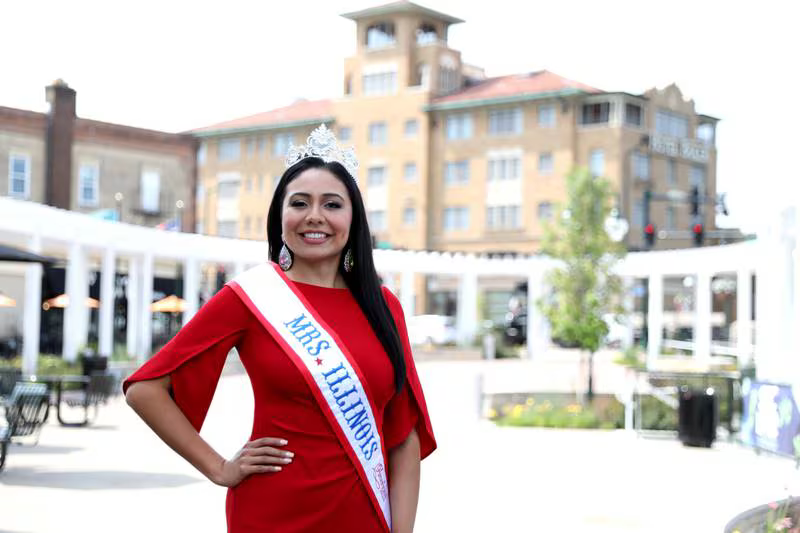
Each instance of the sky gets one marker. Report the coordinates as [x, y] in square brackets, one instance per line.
[175, 65]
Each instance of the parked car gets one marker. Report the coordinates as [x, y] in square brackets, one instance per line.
[431, 329]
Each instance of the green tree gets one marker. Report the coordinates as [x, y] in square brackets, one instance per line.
[584, 288]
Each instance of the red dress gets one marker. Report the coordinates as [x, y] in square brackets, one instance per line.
[320, 491]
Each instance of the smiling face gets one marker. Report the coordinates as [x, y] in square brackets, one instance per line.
[316, 216]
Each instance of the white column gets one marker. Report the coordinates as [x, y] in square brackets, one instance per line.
[407, 293]
[76, 290]
[655, 317]
[702, 319]
[145, 314]
[538, 331]
[628, 283]
[31, 318]
[134, 297]
[467, 312]
[106, 320]
[744, 310]
[191, 288]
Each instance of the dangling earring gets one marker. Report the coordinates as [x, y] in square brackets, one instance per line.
[348, 260]
[285, 258]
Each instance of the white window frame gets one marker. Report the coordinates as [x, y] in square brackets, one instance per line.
[497, 118]
[281, 143]
[409, 221]
[229, 157]
[456, 172]
[372, 174]
[345, 133]
[551, 112]
[146, 200]
[458, 126]
[546, 170]
[372, 133]
[95, 200]
[503, 217]
[455, 218]
[409, 178]
[544, 210]
[378, 220]
[592, 155]
[26, 177]
[504, 167]
[414, 129]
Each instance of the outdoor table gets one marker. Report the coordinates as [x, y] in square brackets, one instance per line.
[56, 383]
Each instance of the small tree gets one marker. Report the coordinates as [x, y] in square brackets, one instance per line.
[583, 285]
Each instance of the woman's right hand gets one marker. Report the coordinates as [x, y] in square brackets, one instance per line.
[260, 456]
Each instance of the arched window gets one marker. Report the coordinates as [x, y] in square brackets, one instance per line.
[426, 34]
[380, 35]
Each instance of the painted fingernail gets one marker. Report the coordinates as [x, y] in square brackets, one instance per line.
[284, 442]
[276, 468]
[286, 460]
[288, 454]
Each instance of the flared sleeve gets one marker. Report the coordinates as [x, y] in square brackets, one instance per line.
[195, 356]
[407, 409]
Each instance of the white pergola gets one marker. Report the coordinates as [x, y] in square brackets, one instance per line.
[86, 243]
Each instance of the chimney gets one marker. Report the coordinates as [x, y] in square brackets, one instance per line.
[60, 126]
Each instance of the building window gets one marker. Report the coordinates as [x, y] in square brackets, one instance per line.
[377, 134]
[669, 222]
[150, 191]
[409, 216]
[597, 163]
[376, 176]
[227, 228]
[546, 163]
[633, 115]
[459, 126]
[262, 146]
[597, 113]
[505, 122]
[377, 220]
[503, 217]
[281, 143]
[547, 116]
[638, 216]
[380, 35]
[411, 128]
[202, 153]
[88, 185]
[228, 150]
[455, 218]
[379, 83]
[261, 183]
[251, 147]
[705, 133]
[640, 163]
[228, 189]
[672, 174]
[456, 172]
[505, 168]
[426, 34]
[544, 211]
[410, 172]
[672, 124]
[448, 79]
[697, 178]
[246, 226]
[345, 133]
[19, 176]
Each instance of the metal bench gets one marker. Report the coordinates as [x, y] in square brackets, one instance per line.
[94, 393]
[26, 413]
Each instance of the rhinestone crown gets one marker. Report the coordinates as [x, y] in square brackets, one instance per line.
[322, 143]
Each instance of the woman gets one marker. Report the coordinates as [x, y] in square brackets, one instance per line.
[340, 420]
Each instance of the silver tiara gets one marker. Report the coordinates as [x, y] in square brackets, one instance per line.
[322, 143]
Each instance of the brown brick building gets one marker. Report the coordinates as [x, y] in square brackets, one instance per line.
[145, 177]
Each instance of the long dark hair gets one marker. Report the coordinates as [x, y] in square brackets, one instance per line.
[362, 280]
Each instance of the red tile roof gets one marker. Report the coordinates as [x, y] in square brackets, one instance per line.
[300, 111]
[543, 81]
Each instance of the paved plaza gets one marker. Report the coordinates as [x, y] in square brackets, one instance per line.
[116, 476]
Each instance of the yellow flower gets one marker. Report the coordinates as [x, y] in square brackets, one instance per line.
[492, 413]
[574, 409]
[516, 412]
[529, 402]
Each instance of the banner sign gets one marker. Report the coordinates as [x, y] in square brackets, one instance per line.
[770, 417]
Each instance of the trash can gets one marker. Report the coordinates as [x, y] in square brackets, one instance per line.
[697, 417]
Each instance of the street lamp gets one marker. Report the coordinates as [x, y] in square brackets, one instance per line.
[118, 197]
[179, 214]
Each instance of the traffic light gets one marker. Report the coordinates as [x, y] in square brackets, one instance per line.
[650, 235]
[697, 232]
[694, 200]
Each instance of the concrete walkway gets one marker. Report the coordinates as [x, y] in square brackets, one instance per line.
[116, 476]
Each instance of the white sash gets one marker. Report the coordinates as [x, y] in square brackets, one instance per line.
[327, 366]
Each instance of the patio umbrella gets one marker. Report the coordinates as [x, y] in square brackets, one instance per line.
[62, 300]
[170, 304]
[5, 301]
[7, 253]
